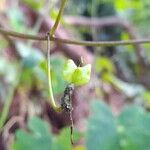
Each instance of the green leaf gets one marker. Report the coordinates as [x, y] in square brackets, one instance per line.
[17, 19]
[136, 124]
[104, 63]
[58, 83]
[102, 133]
[146, 96]
[37, 138]
[35, 4]
[129, 131]
[81, 75]
[62, 141]
[68, 70]
[76, 75]
[31, 56]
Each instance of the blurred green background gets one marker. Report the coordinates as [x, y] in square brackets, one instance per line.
[111, 112]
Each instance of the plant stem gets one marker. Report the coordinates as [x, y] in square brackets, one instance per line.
[51, 100]
[99, 43]
[73, 42]
[50, 34]
[62, 6]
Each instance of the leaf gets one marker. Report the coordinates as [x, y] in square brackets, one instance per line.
[79, 147]
[35, 4]
[129, 131]
[136, 124]
[146, 96]
[76, 75]
[56, 71]
[68, 70]
[31, 56]
[81, 75]
[37, 138]
[104, 63]
[17, 19]
[62, 141]
[102, 133]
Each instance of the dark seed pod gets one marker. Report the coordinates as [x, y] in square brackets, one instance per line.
[66, 101]
[66, 106]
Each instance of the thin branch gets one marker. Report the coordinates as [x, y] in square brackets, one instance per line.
[100, 43]
[62, 6]
[73, 42]
[22, 36]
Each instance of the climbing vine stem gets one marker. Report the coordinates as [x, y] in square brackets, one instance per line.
[51, 99]
[73, 42]
[62, 6]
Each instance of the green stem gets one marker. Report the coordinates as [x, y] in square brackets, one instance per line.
[51, 100]
[62, 6]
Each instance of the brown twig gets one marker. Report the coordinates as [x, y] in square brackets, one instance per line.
[10, 124]
[73, 42]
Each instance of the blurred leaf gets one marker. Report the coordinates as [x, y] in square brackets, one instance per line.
[146, 96]
[136, 124]
[104, 63]
[79, 147]
[102, 133]
[35, 72]
[129, 131]
[128, 5]
[54, 13]
[3, 44]
[57, 80]
[35, 4]
[27, 78]
[62, 141]
[37, 138]
[31, 56]
[17, 19]
[77, 135]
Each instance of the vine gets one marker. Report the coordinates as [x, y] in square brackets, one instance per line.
[73, 42]
[51, 100]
